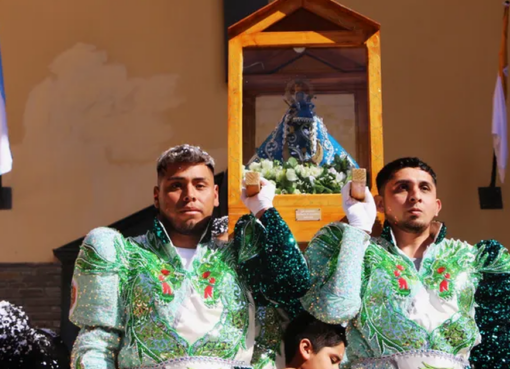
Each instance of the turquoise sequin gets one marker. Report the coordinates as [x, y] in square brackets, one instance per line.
[492, 316]
[389, 288]
[128, 295]
[276, 269]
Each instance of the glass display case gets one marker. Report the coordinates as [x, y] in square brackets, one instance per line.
[304, 107]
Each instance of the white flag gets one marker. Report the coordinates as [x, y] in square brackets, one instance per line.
[499, 117]
[5, 150]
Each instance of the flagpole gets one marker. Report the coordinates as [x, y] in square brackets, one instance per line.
[5, 151]
[494, 170]
[5, 197]
[490, 197]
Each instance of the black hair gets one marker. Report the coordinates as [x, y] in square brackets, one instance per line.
[319, 333]
[184, 154]
[389, 170]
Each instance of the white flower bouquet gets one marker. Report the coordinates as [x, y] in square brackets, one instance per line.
[291, 177]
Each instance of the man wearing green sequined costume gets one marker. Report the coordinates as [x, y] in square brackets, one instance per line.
[407, 297]
[178, 298]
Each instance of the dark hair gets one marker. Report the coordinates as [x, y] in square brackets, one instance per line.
[389, 170]
[319, 333]
[184, 154]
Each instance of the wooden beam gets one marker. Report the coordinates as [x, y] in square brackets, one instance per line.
[345, 58]
[375, 106]
[342, 16]
[265, 83]
[303, 39]
[249, 126]
[264, 18]
[235, 116]
[362, 128]
[328, 90]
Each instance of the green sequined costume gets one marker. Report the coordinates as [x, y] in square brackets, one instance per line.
[138, 307]
[398, 316]
[492, 316]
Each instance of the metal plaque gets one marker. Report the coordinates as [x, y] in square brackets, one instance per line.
[303, 215]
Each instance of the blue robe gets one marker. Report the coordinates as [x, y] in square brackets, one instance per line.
[306, 137]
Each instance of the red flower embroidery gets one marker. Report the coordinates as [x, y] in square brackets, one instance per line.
[208, 292]
[443, 286]
[400, 267]
[166, 288]
[402, 284]
[397, 273]
[161, 278]
[447, 275]
[441, 270]
[212, 280]
[165, 272]
[206, 274]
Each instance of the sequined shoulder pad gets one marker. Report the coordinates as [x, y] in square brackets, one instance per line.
[490, 249]
[104, 242]
[336, 228]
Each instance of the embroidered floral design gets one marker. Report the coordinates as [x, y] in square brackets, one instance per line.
[443, 286]
[168, 282]
[442, 267]
[402, 282]
[208, 290]
[167, 290]
[146, 274]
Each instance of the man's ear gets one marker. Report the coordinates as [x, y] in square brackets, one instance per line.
[379, 203]
[439, 206]
[156, 197]
[305, 349]
[216, 196]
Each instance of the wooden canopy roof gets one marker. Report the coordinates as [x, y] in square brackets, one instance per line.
[304, 15]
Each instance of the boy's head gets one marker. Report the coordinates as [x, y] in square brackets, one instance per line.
[312, 344]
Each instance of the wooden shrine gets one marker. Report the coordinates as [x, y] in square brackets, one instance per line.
[338, 51]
